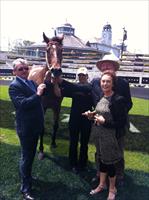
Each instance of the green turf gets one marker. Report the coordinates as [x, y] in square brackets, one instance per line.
[56, 181]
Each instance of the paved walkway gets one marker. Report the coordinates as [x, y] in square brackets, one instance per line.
[140, 92]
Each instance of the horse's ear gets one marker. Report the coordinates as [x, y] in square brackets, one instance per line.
[45, 38]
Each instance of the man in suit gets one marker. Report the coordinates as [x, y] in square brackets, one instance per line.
[26, 98]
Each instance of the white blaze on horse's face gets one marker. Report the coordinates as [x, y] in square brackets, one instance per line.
[54, 52]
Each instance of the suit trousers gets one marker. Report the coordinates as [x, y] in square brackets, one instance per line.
[28, 151]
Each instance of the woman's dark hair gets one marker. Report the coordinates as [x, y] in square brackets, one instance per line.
[112, 75]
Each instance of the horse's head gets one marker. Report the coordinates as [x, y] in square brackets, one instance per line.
[53, 61]
[53, 51]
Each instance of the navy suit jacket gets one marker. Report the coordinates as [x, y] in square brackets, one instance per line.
[29, 111]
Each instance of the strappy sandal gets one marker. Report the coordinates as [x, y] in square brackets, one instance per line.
[99, 189]
[112, 194]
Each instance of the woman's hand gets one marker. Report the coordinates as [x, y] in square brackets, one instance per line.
[99, 119]
[89, 114]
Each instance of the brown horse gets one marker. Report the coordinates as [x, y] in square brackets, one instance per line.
[42, 74]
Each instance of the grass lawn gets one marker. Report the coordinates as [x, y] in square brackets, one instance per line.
[56, 181]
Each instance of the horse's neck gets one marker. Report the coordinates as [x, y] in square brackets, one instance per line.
[37, 74]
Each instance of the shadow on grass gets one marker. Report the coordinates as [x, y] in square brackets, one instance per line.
[46, 190]
[53, 181]
[138, 141]
[136, 186]
[63, 123]
[56, 182]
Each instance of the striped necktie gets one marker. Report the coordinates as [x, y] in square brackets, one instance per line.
[30, 84]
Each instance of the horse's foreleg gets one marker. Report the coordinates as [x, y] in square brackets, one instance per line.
[54, 131]
[41, 148]
[55, 127]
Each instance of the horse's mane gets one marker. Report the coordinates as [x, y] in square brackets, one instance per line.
[57, 39]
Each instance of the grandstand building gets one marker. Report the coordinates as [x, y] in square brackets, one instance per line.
[76, 53]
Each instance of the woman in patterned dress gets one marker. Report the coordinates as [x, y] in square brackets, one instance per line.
[109, 121]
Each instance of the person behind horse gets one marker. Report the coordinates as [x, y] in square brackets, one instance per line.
[110, 62]
[109, 119]
[26, 98]
[79, 126]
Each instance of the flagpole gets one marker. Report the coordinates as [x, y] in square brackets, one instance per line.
[124, 38]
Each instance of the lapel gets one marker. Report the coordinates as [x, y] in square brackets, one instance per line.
[24, 86]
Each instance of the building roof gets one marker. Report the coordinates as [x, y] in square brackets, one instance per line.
[69, 41]
[75, 42]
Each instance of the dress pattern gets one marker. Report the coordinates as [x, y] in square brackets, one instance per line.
[105, 138]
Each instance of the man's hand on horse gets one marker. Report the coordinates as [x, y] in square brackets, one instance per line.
[40, 89]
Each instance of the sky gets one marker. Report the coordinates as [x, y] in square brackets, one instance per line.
[28, 19]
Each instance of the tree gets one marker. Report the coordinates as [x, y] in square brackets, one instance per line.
[19, 45]
[27, 43]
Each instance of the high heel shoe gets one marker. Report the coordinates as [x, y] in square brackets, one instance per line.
[112, 194]
[99, 189]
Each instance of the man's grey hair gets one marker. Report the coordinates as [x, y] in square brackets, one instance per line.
[19, 61]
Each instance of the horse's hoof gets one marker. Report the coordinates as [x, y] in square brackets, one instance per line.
[40, 156]
[53, 145]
